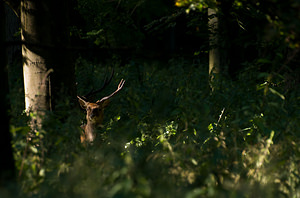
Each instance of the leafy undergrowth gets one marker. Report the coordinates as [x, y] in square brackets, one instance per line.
[167, 135]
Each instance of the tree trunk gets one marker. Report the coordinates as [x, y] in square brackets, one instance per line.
[14, 60]
[7, 167]
[13, 49]
[47, 68]
[214, 52]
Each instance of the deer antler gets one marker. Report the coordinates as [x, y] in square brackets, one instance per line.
[120, 86]
[95, 111]
[106, 82]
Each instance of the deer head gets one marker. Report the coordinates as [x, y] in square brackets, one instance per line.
[95, 111]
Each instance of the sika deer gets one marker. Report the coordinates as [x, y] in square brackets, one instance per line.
[95, 111]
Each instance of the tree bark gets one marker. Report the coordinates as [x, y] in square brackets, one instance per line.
[214, 52]
[47, 67]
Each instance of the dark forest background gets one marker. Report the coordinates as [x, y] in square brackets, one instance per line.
[179, 127]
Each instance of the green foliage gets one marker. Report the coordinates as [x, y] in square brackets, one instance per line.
[166, 135]
[266, 30]
[119, 24]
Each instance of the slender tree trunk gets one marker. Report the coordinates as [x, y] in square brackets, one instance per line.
[214, 52]
[7, 167]
[47, 68]
[13, 48]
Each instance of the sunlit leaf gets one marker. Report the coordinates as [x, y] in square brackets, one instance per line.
[277, 93]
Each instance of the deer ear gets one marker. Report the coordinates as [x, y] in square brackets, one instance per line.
[82, 102]
[103, 103]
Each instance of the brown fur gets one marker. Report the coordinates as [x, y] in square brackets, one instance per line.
[94, 114]
[94, 117]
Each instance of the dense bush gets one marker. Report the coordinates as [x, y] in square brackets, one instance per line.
[167, 135]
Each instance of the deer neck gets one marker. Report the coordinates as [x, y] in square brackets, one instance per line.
[90, 131]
